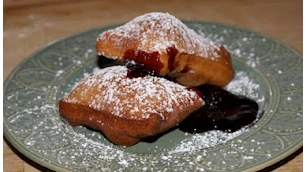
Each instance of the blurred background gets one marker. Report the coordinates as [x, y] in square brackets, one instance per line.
[31, 24]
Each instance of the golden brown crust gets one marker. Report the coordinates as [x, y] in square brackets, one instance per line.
[156, 33]
[193, 70]
[120, 131]
[128, 109]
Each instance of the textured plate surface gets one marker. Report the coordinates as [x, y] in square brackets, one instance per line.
[34, 127]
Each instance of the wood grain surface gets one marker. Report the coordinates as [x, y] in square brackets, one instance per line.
[31, 24]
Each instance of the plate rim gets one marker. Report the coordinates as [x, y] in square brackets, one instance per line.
[51, 165]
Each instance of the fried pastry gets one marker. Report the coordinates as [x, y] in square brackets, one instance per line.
[166, 46]
[127, 108]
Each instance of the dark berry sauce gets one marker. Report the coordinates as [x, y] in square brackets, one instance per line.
[151, 61]
[136, 70]
[222, 111]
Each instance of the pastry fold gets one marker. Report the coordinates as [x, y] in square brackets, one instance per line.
[166, 46]
[127, 109]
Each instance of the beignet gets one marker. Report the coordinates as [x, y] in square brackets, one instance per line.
[163, 44]
[127, 109]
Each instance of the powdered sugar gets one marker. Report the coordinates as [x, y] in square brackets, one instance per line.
[251, 59]
[242, 84]
[156, 32]
[206, 140]
[140, 96]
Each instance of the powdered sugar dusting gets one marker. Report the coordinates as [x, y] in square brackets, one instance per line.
[157, 31]
[140, 96]
[242, 84]
[206, 140]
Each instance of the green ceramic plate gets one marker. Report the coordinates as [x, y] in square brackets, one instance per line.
[266, 70]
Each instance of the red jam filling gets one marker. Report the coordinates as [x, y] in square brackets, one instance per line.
[150, 61]
[222, 111]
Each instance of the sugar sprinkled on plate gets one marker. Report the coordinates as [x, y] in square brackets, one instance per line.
[120, 156]
[206, 140]
[242, 84]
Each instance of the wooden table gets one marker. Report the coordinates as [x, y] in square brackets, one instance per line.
[30, 24]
